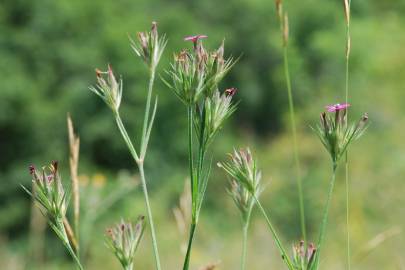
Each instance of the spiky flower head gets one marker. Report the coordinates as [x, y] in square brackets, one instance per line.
[198, 72]
[216, 111]
[49, 191]
[334, 131]
[123, 240]
[108, 88]
[149, 46]
[303, 255]
[244, 179]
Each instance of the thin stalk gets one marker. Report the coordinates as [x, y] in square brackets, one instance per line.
[280, 247]
[145, 140]
[139, 162]
[150, 217]
[190, 243]
[61, 227]
[325, 215]
[295, 144]
[348, 45]
[244, 240]
[193, 183]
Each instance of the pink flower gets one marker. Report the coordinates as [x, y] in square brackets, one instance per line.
[230, 91]
[195, 38]
[337, 107]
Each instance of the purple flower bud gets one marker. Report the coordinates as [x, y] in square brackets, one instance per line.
[32, 169]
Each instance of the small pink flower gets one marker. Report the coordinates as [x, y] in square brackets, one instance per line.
[337, 107]
[195, 38]
[230, 91]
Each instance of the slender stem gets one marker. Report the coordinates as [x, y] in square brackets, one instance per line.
[125, 135]
[190, 243]
[244, 241]
[348, 40]
[61, 227]
[325, 215]
[295, 144]
[193, 185]
[150, 217]
[145, 190]
[147, 112]
[280, 247]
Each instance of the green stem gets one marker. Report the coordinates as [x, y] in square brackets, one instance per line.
[295, 144]
[325, 215]
[244, 240]
[144, 187]
[190, 243]
[150, 217]
[61, 227]
[346, 155]
[194, 184]
[144, 142]
[279, 245]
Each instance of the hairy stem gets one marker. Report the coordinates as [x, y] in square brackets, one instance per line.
[295, 144]
[279, 245]
[325, 215]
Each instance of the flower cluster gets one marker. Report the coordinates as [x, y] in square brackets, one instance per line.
[108, 88]
[149, 46]
[244, 178]
[303, 256]
[215, 112]
[123, 239]
[334, 131]
[197, 73]
[48, 190]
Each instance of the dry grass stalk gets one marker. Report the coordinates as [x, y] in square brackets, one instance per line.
[347, 10]
[182, 213]
[74, 145]
[285, 29]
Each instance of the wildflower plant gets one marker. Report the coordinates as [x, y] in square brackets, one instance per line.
[51, 195]
[194, 78]
[242, 168]
[123, 240]
[245, 188]
[149, 47]
[336, 135]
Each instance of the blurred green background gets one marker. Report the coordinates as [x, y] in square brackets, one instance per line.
[48, 52]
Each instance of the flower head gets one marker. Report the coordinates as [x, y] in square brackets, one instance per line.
[149, 46]
[303, 255]
[197, 73]
[335, 133]
[337, 107]
[216, 111]
[242, 169]
[108, 88]
[49, 191]
[123, 239]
